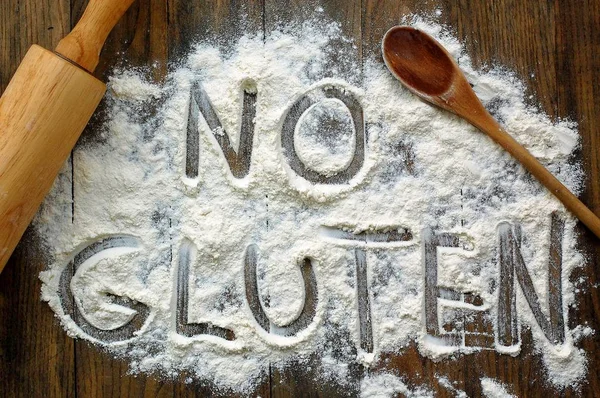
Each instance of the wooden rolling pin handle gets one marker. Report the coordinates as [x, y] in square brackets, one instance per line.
[84, 43]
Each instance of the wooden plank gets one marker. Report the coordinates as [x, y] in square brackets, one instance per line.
[221, 23]
[138, 40]
[518, 35]
[300, 379]
[27, 22]
[36, 356]
[282, 14]
[577, 66]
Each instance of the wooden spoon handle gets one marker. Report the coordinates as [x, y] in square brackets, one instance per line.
[84, 43]
[491, 127]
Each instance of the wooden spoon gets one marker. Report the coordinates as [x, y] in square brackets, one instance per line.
[428, 70]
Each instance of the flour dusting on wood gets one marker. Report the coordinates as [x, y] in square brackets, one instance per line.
[274, 209]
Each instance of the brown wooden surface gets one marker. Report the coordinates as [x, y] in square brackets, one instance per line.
[553, 45]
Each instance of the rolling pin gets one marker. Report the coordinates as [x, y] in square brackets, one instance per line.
[43, 111]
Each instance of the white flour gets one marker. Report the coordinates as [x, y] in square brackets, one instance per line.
[493, 389]
[423, 168]
[385, 385]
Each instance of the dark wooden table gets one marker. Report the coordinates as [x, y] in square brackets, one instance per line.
[553, 45]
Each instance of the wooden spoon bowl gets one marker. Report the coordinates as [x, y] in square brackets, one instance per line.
[406, 50]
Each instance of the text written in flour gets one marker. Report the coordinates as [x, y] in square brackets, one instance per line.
[474, 331]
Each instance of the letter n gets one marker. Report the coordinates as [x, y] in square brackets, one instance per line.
[238, 161]
[512, 265]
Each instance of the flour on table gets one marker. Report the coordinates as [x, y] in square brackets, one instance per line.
[325, 137]
[448, 385]
[147, 211]
[491, 388]
[386, 385]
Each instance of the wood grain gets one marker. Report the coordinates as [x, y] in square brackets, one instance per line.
[577, 66]
[36, 357]
[554, 46]
[23, 23]
[85, 41]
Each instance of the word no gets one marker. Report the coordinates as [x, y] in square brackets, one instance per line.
[239, 161]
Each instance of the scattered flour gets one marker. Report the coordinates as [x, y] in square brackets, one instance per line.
[129, 86]
[493, 389]
[447, 384]
[385, 385]
[423, 168]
